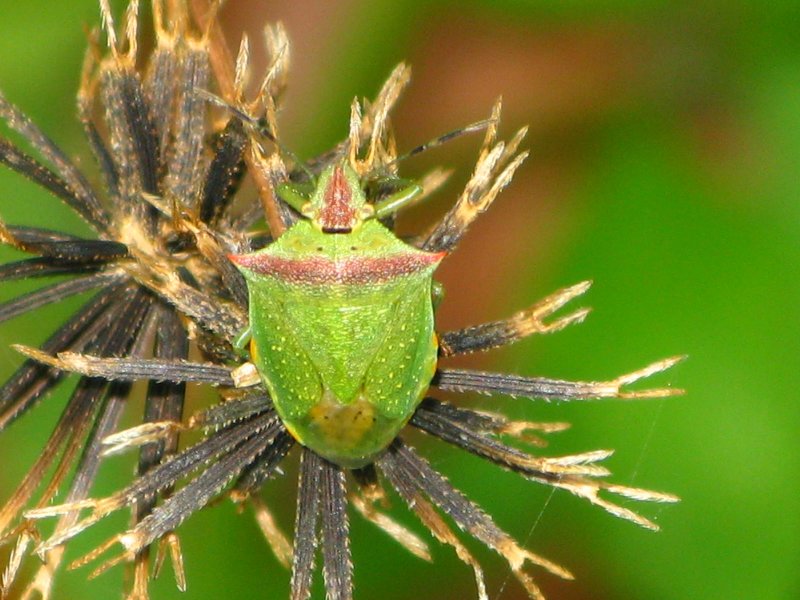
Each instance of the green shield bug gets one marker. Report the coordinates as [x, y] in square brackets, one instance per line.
[341, 318]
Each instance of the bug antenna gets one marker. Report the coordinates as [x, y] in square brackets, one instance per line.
[438, 141]
[255, 126]
[354, 137]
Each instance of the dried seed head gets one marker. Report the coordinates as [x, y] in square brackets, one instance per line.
[174, 133]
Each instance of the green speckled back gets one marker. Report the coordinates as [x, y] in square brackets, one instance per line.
[343, 337]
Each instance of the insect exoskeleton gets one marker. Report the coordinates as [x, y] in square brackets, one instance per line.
[341, 318]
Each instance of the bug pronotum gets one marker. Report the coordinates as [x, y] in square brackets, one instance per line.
[343, 356]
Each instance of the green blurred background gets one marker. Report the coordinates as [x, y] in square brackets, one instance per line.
[665, 140]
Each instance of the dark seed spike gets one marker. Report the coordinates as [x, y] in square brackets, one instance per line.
[224, 173]
[255, 475]
[164, 402]
[122, 146]
[28, 384]
[85, 106]
[114, 403]
[482, 445]
[230, 411]
[36, 235]
[84, 251]
[165, 399]
[337, 565]
[305, 530]
[476, 339]
[79, 194]
[532, 320]
[42, 267]
[493, 172]
[461, 380]
[195, 495]
[86, 471]
[185, 164]
[55, 293]
[160, 88]
[143, 132]
[99, 149]
[132, 137]
[466, 514]
[267, 173]
[118, 393]
[166, 474]
[67, 437]
[221, 318]
[75, 420]
[210, 247]
[74, 251]
[33, 379]
[476, 421]
[426, 512]
[135, 369]
[25, 165]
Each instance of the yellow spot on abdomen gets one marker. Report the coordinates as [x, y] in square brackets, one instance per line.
[342, 426]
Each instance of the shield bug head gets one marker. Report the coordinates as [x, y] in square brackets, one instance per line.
[341, 317]
[338, 204]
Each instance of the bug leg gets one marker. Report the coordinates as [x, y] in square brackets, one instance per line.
[437, 294]
[519, 326]
[243, 338]
[292, 196]
[397, 201]
[444, 138]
